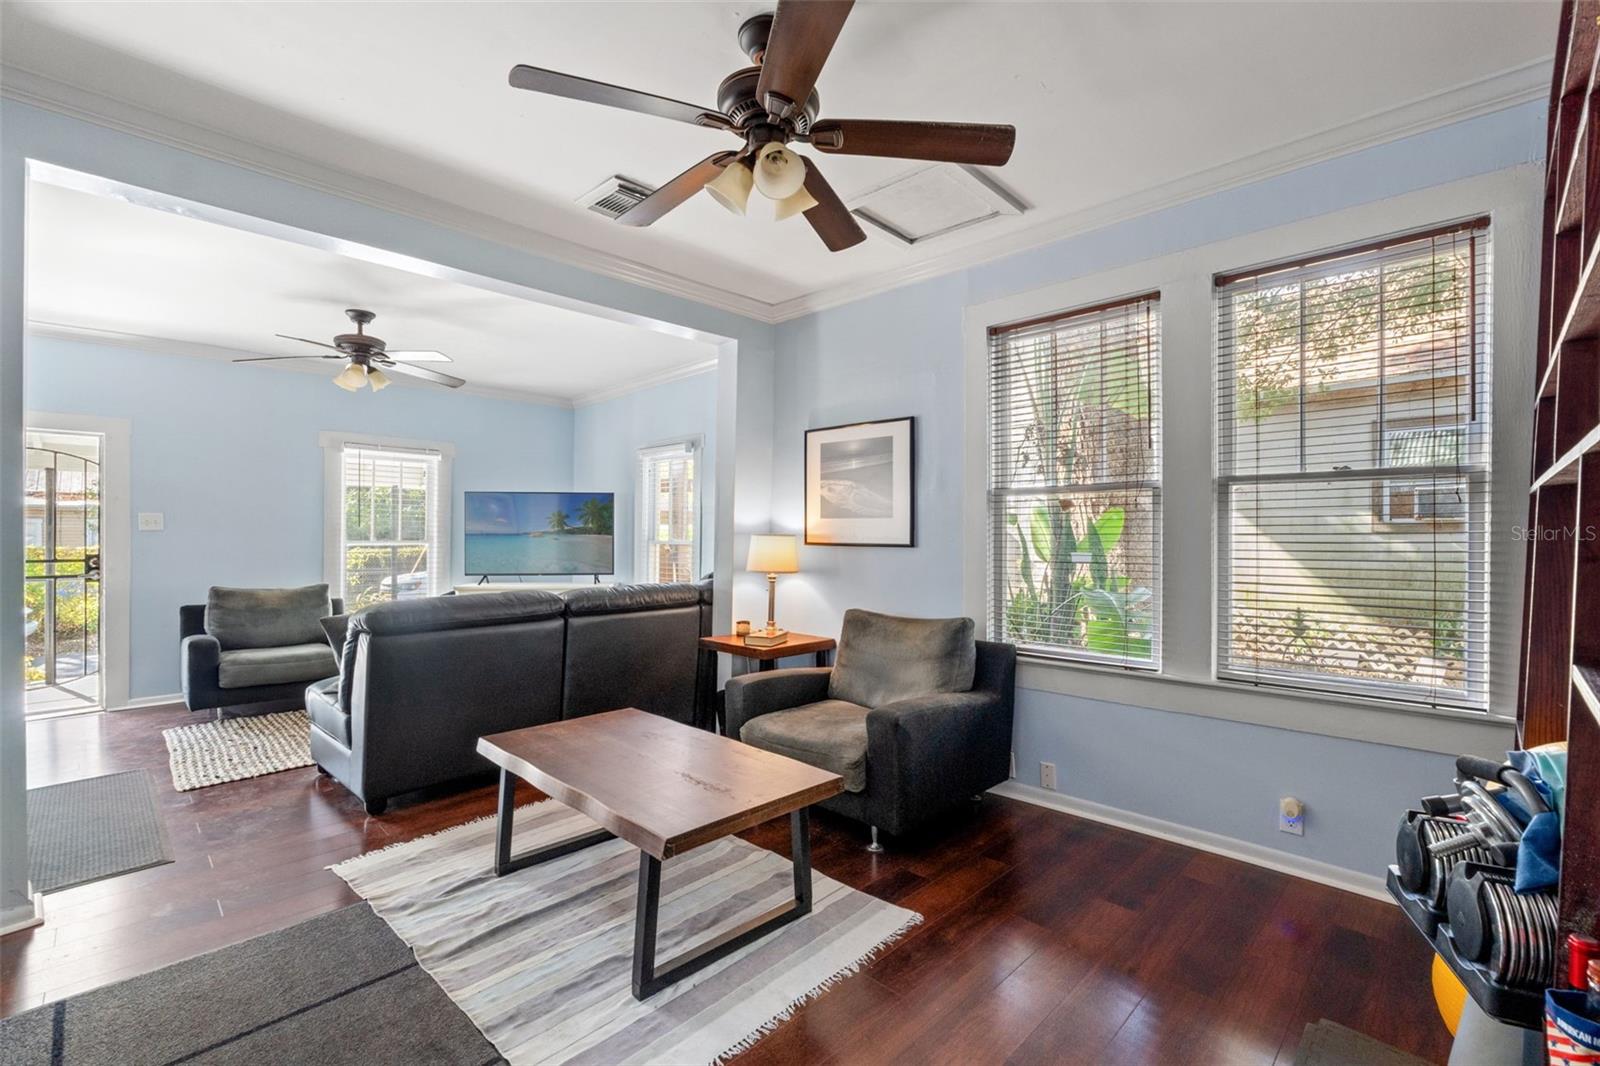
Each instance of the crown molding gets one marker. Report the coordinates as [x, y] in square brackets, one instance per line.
[1495, 92]
[39, 90]
[589, 399]
[220, 353]
[1481, 96]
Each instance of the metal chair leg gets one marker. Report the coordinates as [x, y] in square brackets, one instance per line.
[875, 847]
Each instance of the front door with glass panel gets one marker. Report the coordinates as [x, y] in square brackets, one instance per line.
[62, 571]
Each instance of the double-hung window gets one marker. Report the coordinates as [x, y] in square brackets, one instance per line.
[1353, 453]
[1075, 483]
[392, 522]
[669, 513]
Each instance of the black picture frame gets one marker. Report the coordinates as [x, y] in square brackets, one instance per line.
[813, 520]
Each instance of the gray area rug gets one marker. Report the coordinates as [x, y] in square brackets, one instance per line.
[82, 831]
[340, 990]
[1326, 1043]
[541, 959]
[212, 753]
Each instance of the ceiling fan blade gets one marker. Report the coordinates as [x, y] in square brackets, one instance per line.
[676, 191]
[306, 340]
[449, 381]
[802, 35]
[421, 355]
[554, 83]
[945, 142]
[281, 358]
[831, 219]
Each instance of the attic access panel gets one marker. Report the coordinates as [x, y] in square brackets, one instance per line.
[933, 201]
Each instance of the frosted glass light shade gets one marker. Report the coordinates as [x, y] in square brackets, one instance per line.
[377, 379]
[779, 173]
[773, 553]
[800, 201]
[351, 378]
[731, 188]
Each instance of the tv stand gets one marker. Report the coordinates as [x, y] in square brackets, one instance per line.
[483, 584]
[483, 579]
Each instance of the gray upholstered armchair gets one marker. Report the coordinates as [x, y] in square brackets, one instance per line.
[915, 716]
[252, 647]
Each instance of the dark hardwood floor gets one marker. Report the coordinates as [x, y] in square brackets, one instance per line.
[1046, 939]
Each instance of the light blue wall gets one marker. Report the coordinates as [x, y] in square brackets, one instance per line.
[606, 441]
[230, 456]
[37, 134]
[900, 353]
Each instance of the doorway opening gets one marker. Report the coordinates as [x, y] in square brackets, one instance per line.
[62, 572]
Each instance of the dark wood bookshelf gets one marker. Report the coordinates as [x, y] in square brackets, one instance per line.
[1559, 685]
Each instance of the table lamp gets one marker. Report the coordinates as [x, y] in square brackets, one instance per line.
[775, 553]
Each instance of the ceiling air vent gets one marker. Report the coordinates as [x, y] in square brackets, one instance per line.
[615, 195]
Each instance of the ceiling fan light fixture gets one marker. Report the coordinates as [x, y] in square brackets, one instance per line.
[351, 378]
[779, 173]
[732, 187]
[797, 203]
[377, 379]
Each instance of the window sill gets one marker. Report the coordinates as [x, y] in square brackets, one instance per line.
[1440, 730]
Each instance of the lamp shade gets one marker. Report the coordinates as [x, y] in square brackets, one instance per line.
[779, 173]
[798, 202]
[377, 378]
[731, 188]
[773, 553]
[351, 378]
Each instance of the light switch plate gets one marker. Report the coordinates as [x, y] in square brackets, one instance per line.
[1047, 775]
[152, 521]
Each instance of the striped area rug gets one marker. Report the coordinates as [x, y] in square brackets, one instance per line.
[540, 960]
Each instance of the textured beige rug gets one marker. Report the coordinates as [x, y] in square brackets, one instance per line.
[540, 959]
[211, 753]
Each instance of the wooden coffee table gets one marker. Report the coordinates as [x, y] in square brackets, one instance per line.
[664, 788]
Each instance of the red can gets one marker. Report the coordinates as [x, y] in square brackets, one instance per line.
[1581, 950]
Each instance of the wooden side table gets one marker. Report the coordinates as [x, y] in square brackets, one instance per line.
[767, 658]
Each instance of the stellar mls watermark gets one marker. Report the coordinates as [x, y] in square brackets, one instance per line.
[1577, 533]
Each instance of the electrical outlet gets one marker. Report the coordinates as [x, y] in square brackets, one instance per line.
[1291, 816]
[1047, 775]
[152, 521]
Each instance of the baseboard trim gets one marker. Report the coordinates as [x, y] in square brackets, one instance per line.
[1322, 873]
[20, 918]
[150, 701]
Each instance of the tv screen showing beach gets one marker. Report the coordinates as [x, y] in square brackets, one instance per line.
[539, 533]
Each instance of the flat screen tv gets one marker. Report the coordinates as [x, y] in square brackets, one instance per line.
[539, 533]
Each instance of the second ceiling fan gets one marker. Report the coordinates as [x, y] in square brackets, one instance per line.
[771, 105]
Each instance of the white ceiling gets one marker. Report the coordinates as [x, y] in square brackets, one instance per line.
[106, 268]
[1114, 103]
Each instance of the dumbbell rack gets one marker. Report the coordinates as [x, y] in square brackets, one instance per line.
[1517, 1006]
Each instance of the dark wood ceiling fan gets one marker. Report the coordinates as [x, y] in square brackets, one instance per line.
[367, 357]
[772, 104]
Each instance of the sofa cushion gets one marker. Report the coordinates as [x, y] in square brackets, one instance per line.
[322, 704]
[430, 614]
[831, 734]
[266, 618]
[249, 667]
[620, 599]
[335, 627]
[883, 658]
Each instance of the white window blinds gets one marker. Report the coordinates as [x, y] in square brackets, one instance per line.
[1353, 470]
[1075, 496]
[669, 513]
[391, 543]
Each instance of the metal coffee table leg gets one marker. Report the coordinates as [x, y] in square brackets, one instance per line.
[648, 979]
[505, 862]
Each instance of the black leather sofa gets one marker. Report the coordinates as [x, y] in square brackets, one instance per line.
[915, 715]
[421, 680]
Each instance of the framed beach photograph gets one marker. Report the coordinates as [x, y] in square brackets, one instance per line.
[860, 484]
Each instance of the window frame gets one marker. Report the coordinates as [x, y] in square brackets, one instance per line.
[1187, 682]
[333, 446]
[644, 535]
[1000, 487]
